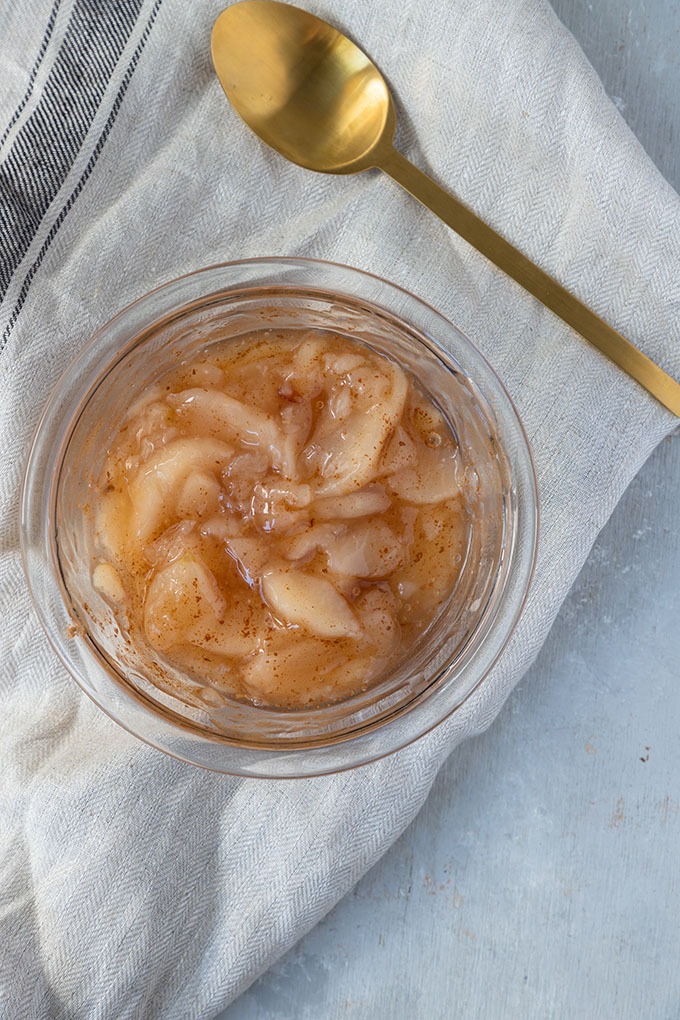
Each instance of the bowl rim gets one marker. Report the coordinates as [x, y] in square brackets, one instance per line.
[274, 263]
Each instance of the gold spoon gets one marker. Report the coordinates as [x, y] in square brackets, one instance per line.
[316, 98]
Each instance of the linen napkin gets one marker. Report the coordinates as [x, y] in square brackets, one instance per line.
[132, 885]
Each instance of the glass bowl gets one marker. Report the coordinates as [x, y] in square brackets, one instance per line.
[183, 317]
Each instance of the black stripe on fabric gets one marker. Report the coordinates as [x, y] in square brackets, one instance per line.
[46, 146]
[34, 72]
[23, 293]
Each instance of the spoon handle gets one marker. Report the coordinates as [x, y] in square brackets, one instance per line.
[552, 294]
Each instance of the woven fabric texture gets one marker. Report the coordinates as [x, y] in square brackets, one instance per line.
[133, 885]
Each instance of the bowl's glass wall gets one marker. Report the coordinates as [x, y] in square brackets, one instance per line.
[131, 352]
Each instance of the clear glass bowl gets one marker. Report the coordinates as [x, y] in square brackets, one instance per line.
[181, 318]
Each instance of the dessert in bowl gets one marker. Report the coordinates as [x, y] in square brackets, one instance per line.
[279, 518]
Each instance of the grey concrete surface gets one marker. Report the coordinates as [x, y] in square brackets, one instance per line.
[541, 878]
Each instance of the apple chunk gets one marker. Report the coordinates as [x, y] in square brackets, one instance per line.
[163, 479]
[310, 602]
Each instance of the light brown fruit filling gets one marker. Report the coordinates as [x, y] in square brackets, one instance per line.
[281, 518]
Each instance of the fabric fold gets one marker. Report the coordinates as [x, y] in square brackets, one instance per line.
[134, 885]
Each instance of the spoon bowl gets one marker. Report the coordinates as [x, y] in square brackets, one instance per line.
[310, 93]
[327, 110]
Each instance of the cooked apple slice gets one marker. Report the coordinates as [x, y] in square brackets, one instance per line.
[307, 374]
[303, 545]
[112, 524]
[367, 549]
[237, 634]
[427, 419]
[346, 458]
[222, 527]
[199, 495]
[400, 453]
[363, 549]
[377, 611]
[106, 580]
[343, 363]
[434, 479]
[310, 602]
[180, 596]
[171, 544]
[219, 414]
[279, 673]
[206, 375]
[155, 489]
[184, 606]
[426, 581]
[372, 499]
[296, 422]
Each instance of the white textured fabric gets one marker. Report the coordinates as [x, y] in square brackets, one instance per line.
[132, 885]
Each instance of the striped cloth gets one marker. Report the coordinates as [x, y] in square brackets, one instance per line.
[132, 885]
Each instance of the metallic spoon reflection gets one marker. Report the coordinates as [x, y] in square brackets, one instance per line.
[310, 93]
